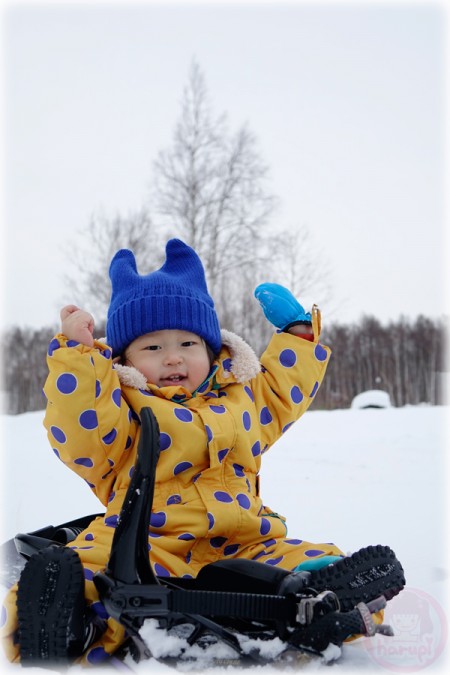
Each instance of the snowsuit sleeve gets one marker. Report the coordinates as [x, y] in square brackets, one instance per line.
[292, 370]
[88, 422]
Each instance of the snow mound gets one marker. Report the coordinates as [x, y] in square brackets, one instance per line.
[372, 398]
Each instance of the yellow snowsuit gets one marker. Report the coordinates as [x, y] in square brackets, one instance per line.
[206, 504]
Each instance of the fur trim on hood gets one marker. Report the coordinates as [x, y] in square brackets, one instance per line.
[244, 363]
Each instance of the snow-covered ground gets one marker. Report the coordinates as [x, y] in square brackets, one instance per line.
[354, 477]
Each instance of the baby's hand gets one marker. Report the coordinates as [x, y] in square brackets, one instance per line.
[76, 324]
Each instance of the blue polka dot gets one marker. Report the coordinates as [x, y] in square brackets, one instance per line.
[173, 499]
[231, 549]
[88, 574]
[145, 392]
[84, 461]
[218, 409]
[53, 346]
[89, 536]
[110, 438]
[320, 353]
[287, 426]
[211, 521]
[186, 536]
[66, 383]
[183, 414]
[313, 552]
[203, 387]
[217, 542]
[314, 390]
[107, 353]
[222, 454]
[117, 397]
[165, 441]
[296, 395]
[246, 420]
[274, 561]
[264, 416]
[111, 521]
[99, 609]
[161, 571]
[58, 434]
[265, 526]
[128, 443]
[182, 466]
[209, 433]
[72, 343]
[98, 388]
[259, 555]
[256, 449]
[243, 501]
[223, 497]
[249, 393]
[269, 542]
[97, 655]
[288, 358]
[293, 542]
[158, 519]
[226, 364]
[238, 470]
[88, 419]
[111, 497]
[56, 453]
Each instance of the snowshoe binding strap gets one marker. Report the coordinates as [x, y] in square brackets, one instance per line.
[129, 562]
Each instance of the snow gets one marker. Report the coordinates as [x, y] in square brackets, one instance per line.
[373, 398]
[354, 477]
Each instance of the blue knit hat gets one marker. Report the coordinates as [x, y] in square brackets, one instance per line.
[174, 297]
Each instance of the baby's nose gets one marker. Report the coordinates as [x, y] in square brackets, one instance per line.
[174, 357]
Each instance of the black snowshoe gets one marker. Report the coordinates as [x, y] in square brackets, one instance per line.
[229, 601]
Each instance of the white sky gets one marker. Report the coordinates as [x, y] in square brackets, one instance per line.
[346, 100]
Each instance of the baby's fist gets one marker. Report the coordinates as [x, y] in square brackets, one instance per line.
[279, 306]
[78, 325]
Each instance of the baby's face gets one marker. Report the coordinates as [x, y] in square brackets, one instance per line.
[170, 358]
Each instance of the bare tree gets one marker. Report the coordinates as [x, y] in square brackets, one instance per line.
[210, 188]
[89, 256]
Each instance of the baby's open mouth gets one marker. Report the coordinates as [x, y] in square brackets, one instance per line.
[173, 378]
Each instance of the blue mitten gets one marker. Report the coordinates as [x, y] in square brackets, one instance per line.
[280, 306]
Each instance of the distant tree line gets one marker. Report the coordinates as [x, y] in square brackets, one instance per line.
[404, 358]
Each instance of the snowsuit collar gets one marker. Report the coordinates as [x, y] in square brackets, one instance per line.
[237, 362]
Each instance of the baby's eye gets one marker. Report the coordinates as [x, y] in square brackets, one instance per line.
[152, 348]
[188, 343]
